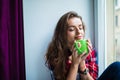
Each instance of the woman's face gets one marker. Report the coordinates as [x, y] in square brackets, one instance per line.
[75, 30]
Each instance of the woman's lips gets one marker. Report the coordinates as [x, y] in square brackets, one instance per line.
[79, 37]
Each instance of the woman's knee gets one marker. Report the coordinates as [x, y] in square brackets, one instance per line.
[116, 65]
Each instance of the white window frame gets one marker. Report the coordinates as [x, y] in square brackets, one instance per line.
[104, 32]
[100, 33]
[110, 26]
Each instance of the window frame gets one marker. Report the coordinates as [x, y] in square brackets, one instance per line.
[104, 33]
[100, 33]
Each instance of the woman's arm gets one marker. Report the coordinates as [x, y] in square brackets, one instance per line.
[72, 72]
[90, 64]
[75, 61]
[84, 72]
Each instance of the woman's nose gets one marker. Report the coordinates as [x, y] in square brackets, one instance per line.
[78, 31]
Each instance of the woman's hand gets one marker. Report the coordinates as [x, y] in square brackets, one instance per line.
[80, 58]
[90, 48]
[82, 65]
[77, 58]
[78, 61]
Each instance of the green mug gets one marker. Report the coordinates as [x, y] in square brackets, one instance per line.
[83, 46]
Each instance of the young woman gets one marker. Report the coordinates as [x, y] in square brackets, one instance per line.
[62, 57]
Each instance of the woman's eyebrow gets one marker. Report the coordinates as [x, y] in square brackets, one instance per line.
[71, 26]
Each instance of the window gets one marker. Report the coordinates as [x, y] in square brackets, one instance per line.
[116, 2]
[117, 30]
[113, 30]
[116, 21]
[110, 37]
[107, 32]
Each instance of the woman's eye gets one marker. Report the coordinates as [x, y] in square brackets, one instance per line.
[71, 29]
[80, 28]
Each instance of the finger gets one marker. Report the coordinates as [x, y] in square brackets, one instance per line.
[72, 48]
[79, 45]
[84, 56]
[89, 45]
[88, 40]
[74, 51]
[90, 49]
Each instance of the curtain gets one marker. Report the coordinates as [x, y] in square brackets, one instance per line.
[12, 60]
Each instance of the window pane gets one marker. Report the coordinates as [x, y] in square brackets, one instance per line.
[117, 28]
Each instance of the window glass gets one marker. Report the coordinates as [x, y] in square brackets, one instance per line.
[117, 28]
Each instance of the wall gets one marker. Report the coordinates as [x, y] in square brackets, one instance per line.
[40, 18]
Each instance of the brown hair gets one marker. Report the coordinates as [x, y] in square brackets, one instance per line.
[56, 55]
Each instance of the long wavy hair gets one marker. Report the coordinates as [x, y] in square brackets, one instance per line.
[57, 52]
